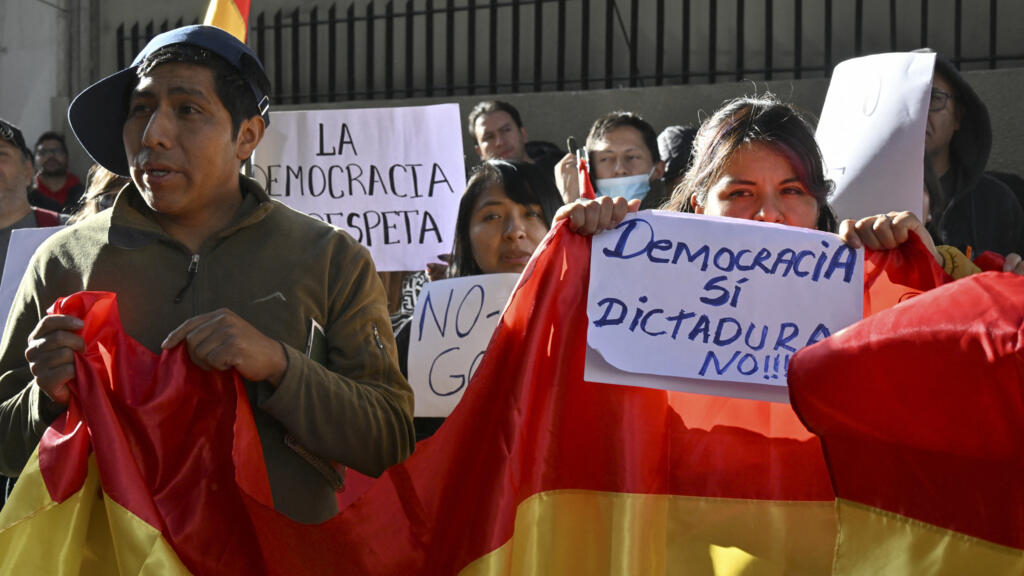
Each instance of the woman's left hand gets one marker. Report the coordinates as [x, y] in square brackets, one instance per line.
[885, 232]
[1013, 263]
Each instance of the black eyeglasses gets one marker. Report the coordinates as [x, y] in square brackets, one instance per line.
[938, 100]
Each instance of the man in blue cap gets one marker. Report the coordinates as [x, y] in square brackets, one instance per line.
[200, 255]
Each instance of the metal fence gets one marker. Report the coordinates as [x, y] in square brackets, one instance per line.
[394, 49]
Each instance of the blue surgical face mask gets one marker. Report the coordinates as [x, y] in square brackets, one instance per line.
[628, 187]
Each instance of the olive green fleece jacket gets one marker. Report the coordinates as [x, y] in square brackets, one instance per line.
[278, 269]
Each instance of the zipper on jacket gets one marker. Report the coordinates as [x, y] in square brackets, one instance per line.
[193, 269]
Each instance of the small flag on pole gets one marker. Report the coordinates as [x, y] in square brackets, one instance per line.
[229, 15]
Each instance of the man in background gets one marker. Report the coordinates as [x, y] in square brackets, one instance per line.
[55, 188]
[980, 213]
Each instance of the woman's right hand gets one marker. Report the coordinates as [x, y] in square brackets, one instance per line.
[588, 217]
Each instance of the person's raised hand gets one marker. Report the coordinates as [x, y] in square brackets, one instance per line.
[51, 354]
[1014, 264]
[221, 339]
[567, 178]
[885, 232]
[439, 270]
[589, 217]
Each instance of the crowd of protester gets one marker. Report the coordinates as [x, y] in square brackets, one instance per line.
[755, 158]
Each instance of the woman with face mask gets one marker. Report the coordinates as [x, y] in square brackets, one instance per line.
[624, 159]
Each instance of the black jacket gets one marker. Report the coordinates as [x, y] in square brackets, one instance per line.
[981, 212]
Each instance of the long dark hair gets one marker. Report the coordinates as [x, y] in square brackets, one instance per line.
[762, 120]
[523, 183]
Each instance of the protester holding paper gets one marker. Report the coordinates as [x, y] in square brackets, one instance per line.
[757, 159]
[504, 214]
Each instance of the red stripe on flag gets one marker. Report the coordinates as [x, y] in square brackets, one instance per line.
[921, 407]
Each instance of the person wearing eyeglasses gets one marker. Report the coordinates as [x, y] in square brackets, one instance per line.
[980, 213]
[56, 188]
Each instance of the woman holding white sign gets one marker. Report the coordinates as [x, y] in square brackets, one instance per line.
[504, 214]
[757, 159]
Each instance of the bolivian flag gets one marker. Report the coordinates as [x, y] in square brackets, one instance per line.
[536, 472]
[229, 15]
[137, 476]
[920, 409]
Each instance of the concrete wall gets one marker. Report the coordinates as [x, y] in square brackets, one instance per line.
[31, 58]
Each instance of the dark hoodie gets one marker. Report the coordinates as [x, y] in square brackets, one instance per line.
[982, 212]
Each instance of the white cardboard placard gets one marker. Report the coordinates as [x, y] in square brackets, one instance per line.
[390, 177]
[871, 133]
[23, 244]
[451, 327]
[717, 305]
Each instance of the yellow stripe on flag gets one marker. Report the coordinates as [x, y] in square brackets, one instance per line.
[875, 541]
[87, 534]
[589, 532]
[224, 14]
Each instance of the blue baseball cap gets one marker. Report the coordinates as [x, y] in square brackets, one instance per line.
[98, 113]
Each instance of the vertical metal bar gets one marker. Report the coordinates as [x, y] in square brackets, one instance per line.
[686, 42]
[135, 39]
[149, 31]
[957, 31]
[659, 45]
[893, 32]
[993, 28]
[924, 23]
[828, 38]
[712, 40]
[410, 51]
[858, 27]
[332, 52]
[371, 23]
[609, 42]
[634, 42]
[449, 48]
[295, 56]
[538, 44]
[120, 47]
[798, 38]
[515, 45]
[560, 70]
[585, 44]
[350, 54]
[179, 23]
[740, 10]
[430, 47]
[164, 26]
[261, 37]
[279, 55]
[389, 50]
[492, 51]
[768, 39]
[314, 52]
[471, 45]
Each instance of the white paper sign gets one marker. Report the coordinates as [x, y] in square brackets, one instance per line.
[390, 177]
[701, 298]
[22, 246]
[451, 327]
[872, 130]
